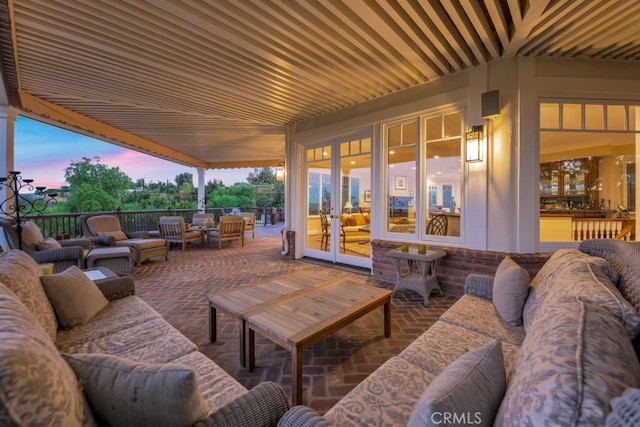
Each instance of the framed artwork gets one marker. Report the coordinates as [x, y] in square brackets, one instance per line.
[401, 182]
[410, 199]
[367, 196]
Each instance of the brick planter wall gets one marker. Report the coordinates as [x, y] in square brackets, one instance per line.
[454, 268]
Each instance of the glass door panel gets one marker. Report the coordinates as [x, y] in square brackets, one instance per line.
[319, 206]
[338, 202]
[355, 200]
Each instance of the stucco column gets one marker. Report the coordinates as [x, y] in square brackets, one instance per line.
[201, 185]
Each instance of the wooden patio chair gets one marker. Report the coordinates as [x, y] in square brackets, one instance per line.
[249, 223]
[230, 227]
[203, 220]
[174, 230]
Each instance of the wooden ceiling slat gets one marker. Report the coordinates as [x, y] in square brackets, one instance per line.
[443, 22]
[465, 27]
[499, 20]
[433, 39]
[478, 19]
[210, 79]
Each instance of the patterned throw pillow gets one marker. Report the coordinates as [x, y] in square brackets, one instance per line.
[571, 273]
[569, 368]
[127, 393]
[20, 273]
[37, 387]
[510, 289]
[75, 298]
[468, 391]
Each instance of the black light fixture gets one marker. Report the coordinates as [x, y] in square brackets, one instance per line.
[17, 206]
[474, 144]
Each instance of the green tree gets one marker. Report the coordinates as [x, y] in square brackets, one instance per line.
[95, 187]
[238, 195]
[184, 178]
[269, 192]
[262, 176]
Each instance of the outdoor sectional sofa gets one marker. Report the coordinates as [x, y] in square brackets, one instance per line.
[480, 365]
[73, 352]
[556, 351]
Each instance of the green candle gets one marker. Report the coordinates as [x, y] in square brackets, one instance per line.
[422, 249]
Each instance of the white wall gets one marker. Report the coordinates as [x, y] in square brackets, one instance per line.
[500, 195]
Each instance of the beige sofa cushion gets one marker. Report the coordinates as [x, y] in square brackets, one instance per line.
[37, 387]
[572, 363]
[75, 298]
[472, 388]
[510, 290]
[20, 273]
[126, 393]
[154, 341]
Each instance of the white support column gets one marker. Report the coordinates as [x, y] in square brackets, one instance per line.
[8, 116]
[7, 120]
[201, 186]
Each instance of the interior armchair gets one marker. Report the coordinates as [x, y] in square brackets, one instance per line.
[105, 230]
[61, 253]
[174, 230]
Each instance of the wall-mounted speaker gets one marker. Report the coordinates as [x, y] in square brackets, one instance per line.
[490, 103]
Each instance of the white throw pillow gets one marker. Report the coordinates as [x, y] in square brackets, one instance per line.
[467, 392]
[127, 393]
[75, 298]
[510, 289]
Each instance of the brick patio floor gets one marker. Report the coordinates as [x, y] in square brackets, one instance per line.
[178, 290]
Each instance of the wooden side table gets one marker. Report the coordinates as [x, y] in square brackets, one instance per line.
[424, 281]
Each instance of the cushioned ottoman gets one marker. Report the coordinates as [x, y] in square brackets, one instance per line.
[117, 259]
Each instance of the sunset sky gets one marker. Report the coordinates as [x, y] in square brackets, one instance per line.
[43, 152]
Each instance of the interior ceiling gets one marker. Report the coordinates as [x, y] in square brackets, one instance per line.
[213, 83]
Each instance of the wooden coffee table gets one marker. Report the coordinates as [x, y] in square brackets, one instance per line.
[301, 320]
[238, 301]
[295, 311]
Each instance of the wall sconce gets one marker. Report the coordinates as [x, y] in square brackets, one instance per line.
[474, 144]
[280, 172]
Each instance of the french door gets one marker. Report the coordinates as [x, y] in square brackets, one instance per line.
[338, 175]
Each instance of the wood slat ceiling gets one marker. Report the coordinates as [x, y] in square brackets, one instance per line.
[213, 83]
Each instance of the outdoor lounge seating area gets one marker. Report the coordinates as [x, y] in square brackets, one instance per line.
[483, 324]
[105, 230]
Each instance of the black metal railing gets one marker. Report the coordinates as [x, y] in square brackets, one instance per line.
[68, 225]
